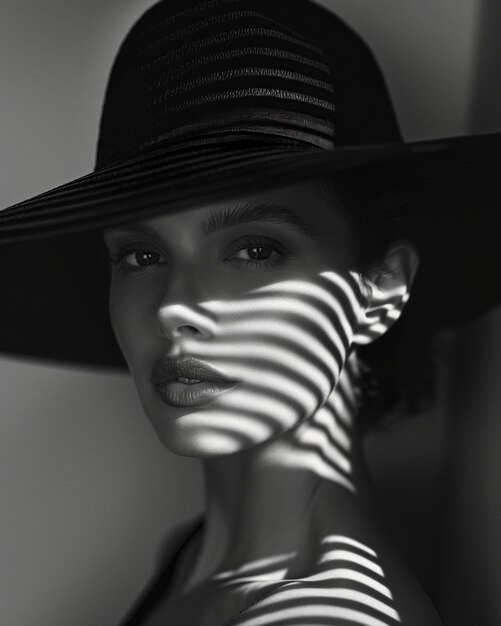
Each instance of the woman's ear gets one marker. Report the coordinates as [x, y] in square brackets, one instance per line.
[387, 290]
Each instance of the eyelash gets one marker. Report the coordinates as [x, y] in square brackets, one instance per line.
[244, 243]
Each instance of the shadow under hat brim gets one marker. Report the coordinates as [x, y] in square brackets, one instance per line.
[54, 289]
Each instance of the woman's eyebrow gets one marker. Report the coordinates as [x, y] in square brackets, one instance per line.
[220, 219]
[248, 212]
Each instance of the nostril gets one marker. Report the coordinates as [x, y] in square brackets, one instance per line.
[189, 329]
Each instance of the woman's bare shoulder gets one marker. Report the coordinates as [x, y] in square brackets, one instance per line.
[334, 603]
[350, 584]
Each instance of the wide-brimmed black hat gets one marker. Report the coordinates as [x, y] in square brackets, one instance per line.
[208, 99]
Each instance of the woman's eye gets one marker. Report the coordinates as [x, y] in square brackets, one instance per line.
[143, 258]
[136, 258]
[257, 252]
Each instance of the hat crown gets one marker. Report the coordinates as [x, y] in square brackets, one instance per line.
[242, 70]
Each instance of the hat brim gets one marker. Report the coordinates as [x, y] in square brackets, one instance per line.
[54, 287]
[171, 178]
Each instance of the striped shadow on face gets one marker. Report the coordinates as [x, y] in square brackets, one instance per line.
[289, 346]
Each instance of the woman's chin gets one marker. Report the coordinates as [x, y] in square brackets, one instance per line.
[205, 445]
[209, 431]
[186, 436]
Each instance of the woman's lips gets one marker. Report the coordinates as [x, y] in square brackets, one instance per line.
[185, 367]
[184, 394]
[188, 381]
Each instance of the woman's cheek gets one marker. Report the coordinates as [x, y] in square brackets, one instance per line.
[285, 345]
[311, 320]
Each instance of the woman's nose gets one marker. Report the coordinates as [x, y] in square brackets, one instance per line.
[177, 320]
[180, 313]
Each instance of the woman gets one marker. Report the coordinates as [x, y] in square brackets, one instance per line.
[246, 359]
[235, 189]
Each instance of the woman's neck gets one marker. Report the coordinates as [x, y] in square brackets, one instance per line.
[275, 498]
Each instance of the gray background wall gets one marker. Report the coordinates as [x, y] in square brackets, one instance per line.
[86, 491]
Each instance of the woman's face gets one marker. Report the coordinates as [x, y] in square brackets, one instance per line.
[264, 295]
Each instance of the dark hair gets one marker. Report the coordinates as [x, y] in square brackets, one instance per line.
[398, 367]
